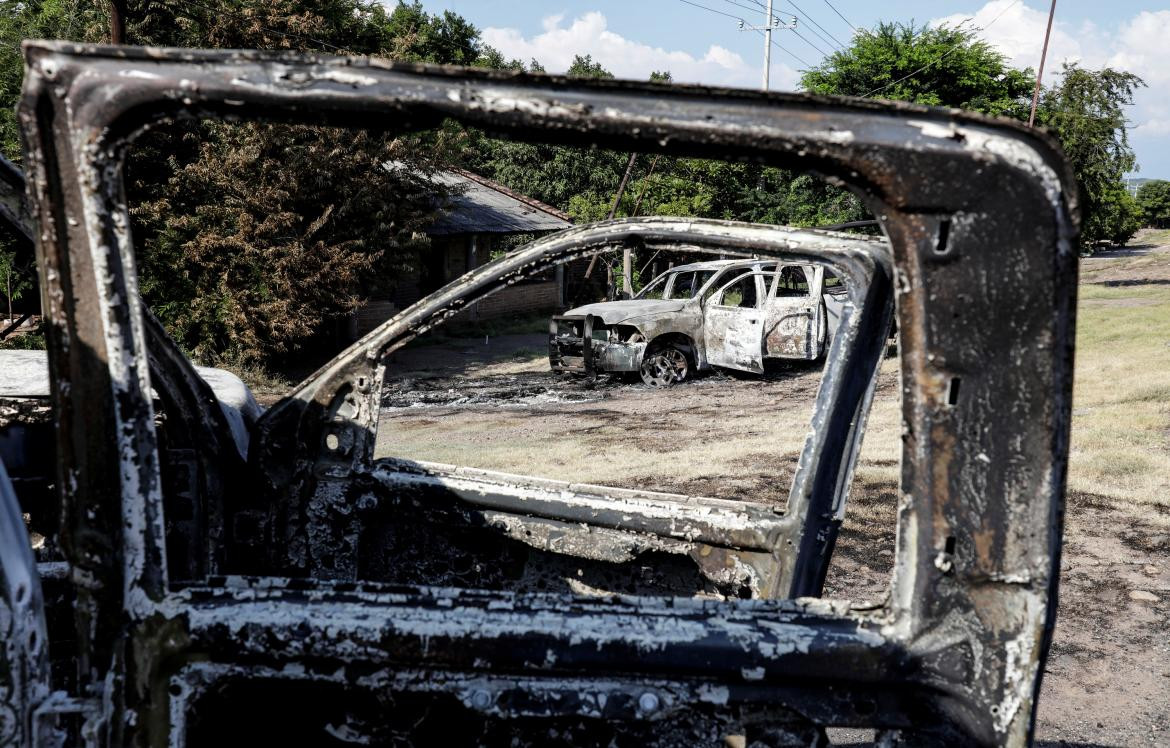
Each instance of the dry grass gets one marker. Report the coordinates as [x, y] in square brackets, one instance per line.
[1121, 398]
[266, 385]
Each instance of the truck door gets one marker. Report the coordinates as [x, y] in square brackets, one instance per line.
[834, 296]
[793, 318]
[733, 324]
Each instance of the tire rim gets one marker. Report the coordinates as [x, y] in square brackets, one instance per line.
[664, 368]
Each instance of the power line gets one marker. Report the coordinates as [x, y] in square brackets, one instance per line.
[843, 18]
[728, 15]
[783, 49]
[740, 5]
[704, 7]
[811, 20]
[806, 41]
[799, 12]
[793, 55]
[821, 36]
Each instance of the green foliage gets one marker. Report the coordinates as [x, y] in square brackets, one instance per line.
[950, 67]
[250, 236]
[15, 278]
[32, 341]
[584, 181]
[1153, 198]
[1084, 111]
[586, 67]
[939, 66]
[1114, 219]
[270, 228]
[76, 20]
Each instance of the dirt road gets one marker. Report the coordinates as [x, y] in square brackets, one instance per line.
[495, 405]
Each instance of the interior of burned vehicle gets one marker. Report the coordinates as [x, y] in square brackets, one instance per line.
[302, 587]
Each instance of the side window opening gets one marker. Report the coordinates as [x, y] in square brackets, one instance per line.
[740, 293]
[684, 286]
[792, 282]
[656, 289]
[833, 284]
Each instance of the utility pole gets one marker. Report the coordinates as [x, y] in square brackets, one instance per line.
[770, 22]
[1040, 72]
[117, 21]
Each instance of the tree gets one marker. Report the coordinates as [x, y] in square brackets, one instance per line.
[1085, 113]
[76, 20]
[254, 235]
[574, 179]
[586, 67]
[14, 279]
[270, 228]
[950, 66]
[936, 66]
[1153, 198]
[250, 236]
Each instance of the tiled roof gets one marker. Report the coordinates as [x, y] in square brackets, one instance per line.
[483, 206]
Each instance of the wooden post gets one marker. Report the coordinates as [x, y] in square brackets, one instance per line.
[613, 211]
[1040, 72]
[117, 21]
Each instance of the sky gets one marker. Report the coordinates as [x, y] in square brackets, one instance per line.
[632, 38]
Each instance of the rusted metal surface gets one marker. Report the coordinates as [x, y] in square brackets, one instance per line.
[954, 656]
[13, 206]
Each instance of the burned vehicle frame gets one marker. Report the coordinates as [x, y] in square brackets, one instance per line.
[784, 311]
[955, 654]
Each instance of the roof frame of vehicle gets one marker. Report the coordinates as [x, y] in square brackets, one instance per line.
[980, 215]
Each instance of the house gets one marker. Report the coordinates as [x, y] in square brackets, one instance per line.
[479, 215]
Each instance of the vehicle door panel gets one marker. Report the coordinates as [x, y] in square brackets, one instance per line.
[791, 315]
[733, 326]
[834, 297]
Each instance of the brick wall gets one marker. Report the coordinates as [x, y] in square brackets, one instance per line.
[373, 313]
[523, 298]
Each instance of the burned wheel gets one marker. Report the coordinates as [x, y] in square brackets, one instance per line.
[664, 366]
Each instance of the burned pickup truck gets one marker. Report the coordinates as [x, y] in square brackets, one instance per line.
[729, 313]
[314, 594]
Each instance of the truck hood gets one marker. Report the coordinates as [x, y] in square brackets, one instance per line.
[616, 312]
[26, 375]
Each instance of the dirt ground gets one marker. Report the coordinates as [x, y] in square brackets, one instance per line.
[493, 404]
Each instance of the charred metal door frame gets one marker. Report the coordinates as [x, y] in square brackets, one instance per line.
[958, 651]
[321, 541]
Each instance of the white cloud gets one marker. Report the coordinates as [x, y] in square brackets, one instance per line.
[1016, 30]
[588, 34]
[1136, 45]
[1141, 47]
[1155, 126]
